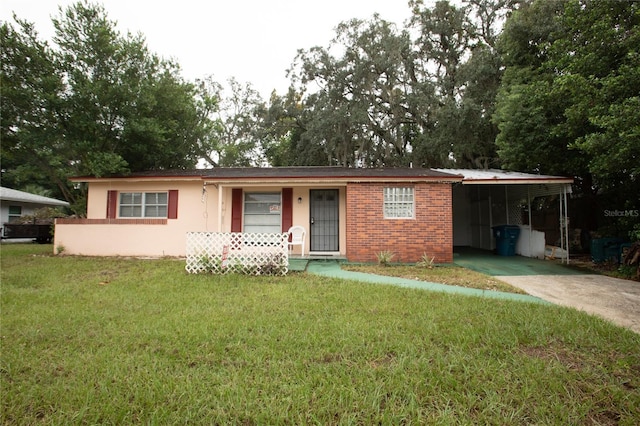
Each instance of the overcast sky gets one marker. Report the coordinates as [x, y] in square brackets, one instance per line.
[252, 40]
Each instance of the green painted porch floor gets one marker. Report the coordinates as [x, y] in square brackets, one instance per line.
[486, 262]
[298, 265]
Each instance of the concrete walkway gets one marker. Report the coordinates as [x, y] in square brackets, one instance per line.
[331, 268]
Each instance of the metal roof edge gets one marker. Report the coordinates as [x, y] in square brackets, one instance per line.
[521, 181]
[495, 176]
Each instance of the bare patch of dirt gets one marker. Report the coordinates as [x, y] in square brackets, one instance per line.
[388, 359]
[609, 268]
[570, 360]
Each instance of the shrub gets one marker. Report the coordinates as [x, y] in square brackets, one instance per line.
[426, 261]
[43, 216]
[385, 257]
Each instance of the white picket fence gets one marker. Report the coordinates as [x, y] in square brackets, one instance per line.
[235, 252]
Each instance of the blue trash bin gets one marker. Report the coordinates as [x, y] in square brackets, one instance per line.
[506, 238]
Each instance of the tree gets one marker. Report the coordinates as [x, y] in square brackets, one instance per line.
[424, 94]
[32, 86]
[456, 51]
[281, 125]
[569, 99]
[527, 109]
[235, 134]
[359, 114]
[602, 79]
[95, 104]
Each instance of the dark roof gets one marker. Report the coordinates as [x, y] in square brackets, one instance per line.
[307, 172]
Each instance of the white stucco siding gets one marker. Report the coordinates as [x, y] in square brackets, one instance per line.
[201, 208]
[196, 212]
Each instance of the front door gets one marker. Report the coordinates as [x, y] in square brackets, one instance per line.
[324, 229]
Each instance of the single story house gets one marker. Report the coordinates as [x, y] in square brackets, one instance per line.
[348, 212]
[354, 213]
[14, 204]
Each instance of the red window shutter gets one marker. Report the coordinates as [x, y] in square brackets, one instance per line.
[112, 204]
[236, 210]
[287, 208]
[172, 207]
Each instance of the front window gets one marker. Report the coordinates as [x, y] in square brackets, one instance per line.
[398, 203]
[143, 204]
[262, 212]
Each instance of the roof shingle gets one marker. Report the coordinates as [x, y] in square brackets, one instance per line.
[280, 173]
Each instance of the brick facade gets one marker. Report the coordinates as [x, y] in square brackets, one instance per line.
[430, 232]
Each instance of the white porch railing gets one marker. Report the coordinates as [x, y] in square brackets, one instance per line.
[229, 252]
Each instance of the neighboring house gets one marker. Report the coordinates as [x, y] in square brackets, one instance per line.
[14, 204]
[354, 213]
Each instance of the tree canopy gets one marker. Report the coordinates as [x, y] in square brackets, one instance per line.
[569, 101]
[380, 95]
[95, 102]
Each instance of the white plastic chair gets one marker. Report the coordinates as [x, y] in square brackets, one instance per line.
[297, 234]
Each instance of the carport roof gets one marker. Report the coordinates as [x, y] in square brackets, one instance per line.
[496, 176]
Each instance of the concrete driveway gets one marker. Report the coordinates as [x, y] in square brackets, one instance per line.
[614, 299]
[611, 298]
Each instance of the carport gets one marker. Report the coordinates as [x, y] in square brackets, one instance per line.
[488, 198]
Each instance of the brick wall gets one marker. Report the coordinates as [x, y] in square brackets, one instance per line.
[430, 232]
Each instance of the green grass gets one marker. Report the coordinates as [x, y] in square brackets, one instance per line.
[443, 274]
[120, 341]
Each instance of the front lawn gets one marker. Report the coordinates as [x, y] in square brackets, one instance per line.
[121, 341]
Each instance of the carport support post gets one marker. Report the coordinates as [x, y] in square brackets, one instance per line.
[506, 201]
[529, 211]
[566, 221]
[561, 222]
